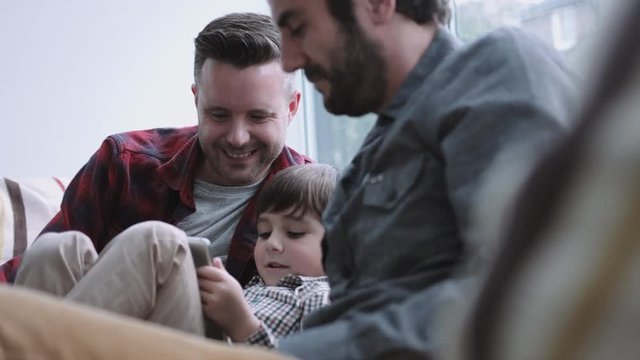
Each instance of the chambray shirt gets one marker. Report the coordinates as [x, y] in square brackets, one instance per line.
[147, 175]
[281, 308]
[399, 222]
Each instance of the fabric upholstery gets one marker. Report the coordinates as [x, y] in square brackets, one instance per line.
[26, 206]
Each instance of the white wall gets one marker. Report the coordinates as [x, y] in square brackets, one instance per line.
[75, 71]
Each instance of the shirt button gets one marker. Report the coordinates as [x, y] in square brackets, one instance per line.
[376, 179]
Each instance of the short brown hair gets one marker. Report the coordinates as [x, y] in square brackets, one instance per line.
[300, 188]
[239, 39]
[420, 11]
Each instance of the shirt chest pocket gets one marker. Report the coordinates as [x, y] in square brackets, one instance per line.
[385, 189]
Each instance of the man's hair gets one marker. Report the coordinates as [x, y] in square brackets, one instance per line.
[420, 11]
[298, 190]
[239, 39]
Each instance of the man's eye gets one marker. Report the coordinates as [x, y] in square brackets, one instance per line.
[295, 234]
[258, 117]
[219, 116]
[296, 31]
[264, 235]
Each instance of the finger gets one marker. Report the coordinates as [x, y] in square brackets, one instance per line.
[210, 286]
[211, 273]
[217, 263]
[202, 270]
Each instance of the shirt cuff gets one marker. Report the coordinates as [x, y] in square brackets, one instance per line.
[262, 337]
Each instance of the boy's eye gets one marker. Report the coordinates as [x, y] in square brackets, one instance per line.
[264, 235]
[295, 235]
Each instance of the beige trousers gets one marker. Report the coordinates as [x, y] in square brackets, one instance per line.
[146, 272]
[35, 326]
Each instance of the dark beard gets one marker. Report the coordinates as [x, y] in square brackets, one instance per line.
[357, 76]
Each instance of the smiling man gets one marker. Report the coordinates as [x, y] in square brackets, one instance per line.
[202, 179]
[242, 122]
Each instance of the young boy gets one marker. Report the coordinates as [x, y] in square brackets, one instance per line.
[291, 281]
[149, 273]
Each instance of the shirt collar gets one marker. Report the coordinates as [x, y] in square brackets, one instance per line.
[179, 172]
[290, 281]
[442, 45]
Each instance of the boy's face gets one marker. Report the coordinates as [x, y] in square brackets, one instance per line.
[288, 244]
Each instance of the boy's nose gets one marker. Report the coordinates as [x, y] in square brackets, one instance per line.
[275, 245]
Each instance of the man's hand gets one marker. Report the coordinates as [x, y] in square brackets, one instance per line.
[223, 302]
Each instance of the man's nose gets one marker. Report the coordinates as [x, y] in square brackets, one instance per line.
[293, 57]
[238, 134]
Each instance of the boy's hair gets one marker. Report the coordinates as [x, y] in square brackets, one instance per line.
[299, 189]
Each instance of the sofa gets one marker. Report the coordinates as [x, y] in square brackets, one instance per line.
[26, 206]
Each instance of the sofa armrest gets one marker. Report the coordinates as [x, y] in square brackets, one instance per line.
[26, 206]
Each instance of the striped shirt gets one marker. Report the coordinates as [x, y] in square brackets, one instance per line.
[282, 308]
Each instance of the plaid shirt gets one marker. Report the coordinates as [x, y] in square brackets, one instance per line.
[282, 308]
[147, 175]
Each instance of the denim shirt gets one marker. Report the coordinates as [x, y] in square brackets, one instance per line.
[398, 223]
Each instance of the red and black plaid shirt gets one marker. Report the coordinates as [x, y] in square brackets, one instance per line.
[147, 175]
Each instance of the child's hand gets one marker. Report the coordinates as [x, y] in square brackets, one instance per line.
[223, 302]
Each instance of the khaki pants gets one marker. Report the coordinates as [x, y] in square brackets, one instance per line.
[145, 272]
[34, 326]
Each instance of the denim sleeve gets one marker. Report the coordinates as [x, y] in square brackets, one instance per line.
[393, 332]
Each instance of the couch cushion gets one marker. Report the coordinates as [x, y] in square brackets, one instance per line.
[26, 206]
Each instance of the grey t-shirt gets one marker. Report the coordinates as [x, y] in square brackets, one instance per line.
[218, 211]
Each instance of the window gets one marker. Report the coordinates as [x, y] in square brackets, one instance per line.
[564, 28]
[337, 138]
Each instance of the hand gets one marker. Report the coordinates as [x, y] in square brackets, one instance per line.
[223, 302]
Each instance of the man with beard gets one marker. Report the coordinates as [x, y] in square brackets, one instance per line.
[400, 221]
[202, 179]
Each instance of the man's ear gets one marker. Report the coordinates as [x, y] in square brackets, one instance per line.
[194, 90]
[294, 104]
[381, 11]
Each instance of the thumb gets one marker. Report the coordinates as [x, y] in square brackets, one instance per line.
[217, 263]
